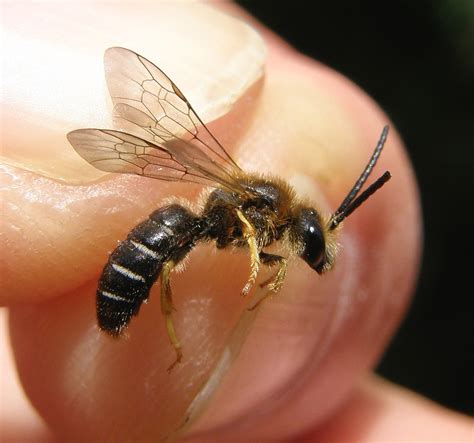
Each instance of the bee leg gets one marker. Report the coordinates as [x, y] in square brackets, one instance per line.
[167, 309]
[249, 235]
[275, 282]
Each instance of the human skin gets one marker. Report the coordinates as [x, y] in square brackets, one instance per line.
[298, 365]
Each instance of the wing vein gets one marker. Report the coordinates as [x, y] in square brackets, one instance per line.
[160, 136]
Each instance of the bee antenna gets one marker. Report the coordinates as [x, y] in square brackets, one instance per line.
[352, 202]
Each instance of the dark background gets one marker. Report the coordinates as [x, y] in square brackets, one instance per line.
[416, 59]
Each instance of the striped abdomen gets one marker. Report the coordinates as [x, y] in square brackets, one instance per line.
[168, 234]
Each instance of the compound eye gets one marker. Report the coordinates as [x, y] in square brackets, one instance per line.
[313, 240]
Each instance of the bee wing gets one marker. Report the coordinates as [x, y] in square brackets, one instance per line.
[116, 151]
[148, 104]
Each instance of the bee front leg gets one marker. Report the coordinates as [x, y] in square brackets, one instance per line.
[249, 235]
[275, 282]
[167, 309]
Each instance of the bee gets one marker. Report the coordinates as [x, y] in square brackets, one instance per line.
[164, 139]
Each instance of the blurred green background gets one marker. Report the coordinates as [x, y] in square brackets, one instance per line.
[416, 59]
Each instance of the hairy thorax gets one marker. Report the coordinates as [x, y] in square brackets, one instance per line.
[268, 208]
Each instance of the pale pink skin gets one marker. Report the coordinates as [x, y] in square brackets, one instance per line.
[309, 350]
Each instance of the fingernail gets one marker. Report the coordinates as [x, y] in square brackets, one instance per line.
[52, 87]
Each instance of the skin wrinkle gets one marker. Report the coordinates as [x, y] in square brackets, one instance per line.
[35, 224]
[49, 241]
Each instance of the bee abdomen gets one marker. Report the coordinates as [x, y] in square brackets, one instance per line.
[168, 234]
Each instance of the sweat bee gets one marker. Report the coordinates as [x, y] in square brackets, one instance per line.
[166, 140]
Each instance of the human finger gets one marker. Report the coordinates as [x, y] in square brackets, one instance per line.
[322, 327]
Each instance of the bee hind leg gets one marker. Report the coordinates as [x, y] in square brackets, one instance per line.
[249, 235]
[167, 309]
[275, 282]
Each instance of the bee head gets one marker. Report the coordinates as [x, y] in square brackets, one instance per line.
[316, 244]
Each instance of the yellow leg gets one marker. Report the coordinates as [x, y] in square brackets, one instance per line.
[167, 309]
[275, 282]
[249, 235]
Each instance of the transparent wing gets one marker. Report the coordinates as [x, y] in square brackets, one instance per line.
[116, 151]
[148, 104]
